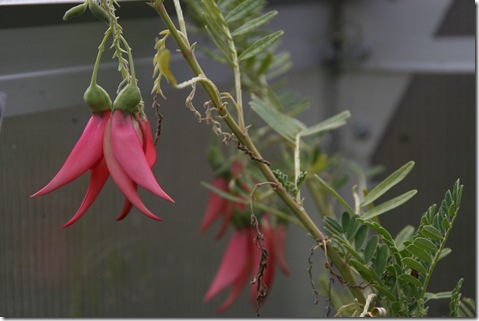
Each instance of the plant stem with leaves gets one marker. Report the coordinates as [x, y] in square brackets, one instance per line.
[243, 137]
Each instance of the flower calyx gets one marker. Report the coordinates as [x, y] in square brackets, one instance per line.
[98, 12]
[75, 11]
[128, 99]
[97, 99]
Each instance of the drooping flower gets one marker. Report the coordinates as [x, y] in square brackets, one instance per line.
[218, 206]
[129, 162]
[241, 261]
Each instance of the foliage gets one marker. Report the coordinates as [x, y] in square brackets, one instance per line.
[383, 276]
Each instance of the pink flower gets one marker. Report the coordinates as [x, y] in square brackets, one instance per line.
[129, 160]
[240, 263]
[116, 144]
[218, 206]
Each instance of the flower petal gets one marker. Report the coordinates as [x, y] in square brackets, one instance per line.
[127, 206]
[129, 153]
[227, 216]
[235, 291]
[98, 176]
[234, 262]
[279, 240]
[86, 152]
[148, 146]
[216, 204]
[121, 179]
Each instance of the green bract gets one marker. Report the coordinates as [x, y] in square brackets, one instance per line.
[97, 99]
[128, 99]
[75, 11]
[98, 12]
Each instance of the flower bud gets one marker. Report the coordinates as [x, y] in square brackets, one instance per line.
[128, 99]
[98, 12]
[97, 99]
[75, 11]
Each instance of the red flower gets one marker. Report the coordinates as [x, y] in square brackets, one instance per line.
[116, 144]
[241, 262]
[218, 206]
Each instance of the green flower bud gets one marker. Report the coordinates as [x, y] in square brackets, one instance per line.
[98, 12]
[128, 99]
[97, 99]
[75, 11]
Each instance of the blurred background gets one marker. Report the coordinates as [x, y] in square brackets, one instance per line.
[405, 69]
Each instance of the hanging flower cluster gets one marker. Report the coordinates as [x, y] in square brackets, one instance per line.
[241, 261]
[116, 141]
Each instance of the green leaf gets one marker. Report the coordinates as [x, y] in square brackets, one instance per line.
[387, 184]
[381, 259]
[255, 23]
[419, 253]
[352, 228]
[222, 193]
[445, 224]
[288, 127]
[327, 124]
[415, 265]
[354, 253]
[243, 9]
[389, 205]
[334, 193]
[391, 297]
[260, 45]
[364, 271]
[224, 3]
[411, 280]
[370, 249]
[345, 218]
[438, 295]
[332, 226]
[425, 244]
[404, 235]
[445, 252]
[360, 237]
[381, 231]
[431, 232]
[455, 299]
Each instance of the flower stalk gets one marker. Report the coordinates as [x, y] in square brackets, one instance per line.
[243, 137]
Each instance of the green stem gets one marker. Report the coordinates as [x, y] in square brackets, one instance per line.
[237, 77]
[245, 140]
[181, 20]
[130, 58]
[101, 48]
[436, 259]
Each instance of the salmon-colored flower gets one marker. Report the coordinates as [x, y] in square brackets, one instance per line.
[241, 261]
[218, 206]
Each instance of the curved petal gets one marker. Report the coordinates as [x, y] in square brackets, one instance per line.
[216, 204]
[235, 291]
[98, 176]
[234, 262]
[127, 206]
[148, 146]
[86, 152]
[128, 151]
[121, 179]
